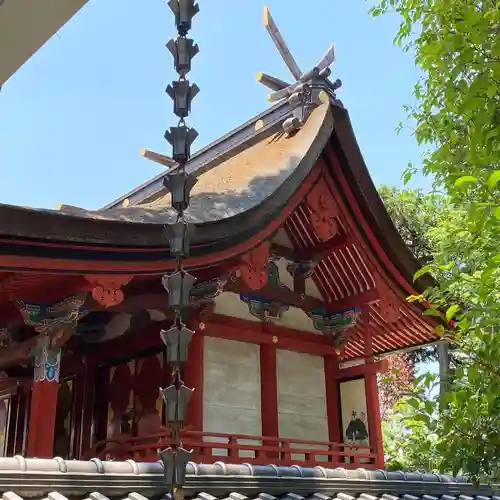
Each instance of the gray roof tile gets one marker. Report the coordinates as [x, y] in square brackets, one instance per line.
[58, 479]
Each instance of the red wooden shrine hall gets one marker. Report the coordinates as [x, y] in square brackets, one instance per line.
[301, 290]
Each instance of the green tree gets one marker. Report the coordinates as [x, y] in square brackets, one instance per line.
[456, 44]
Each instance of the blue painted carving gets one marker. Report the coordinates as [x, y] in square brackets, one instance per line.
[262, 308]
[204, 292]
[47, 361]
[46, 319]
[338, 324]
[43, 318]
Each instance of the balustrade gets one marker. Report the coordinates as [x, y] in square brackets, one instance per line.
[209, 447]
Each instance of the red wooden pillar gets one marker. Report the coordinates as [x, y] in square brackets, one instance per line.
[373, 406]
[86, 409]
[269, 390]
[193, 378]
[332, 390]
[42, 419]
[269, 397]
[43, 407]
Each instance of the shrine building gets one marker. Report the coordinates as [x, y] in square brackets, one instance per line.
[301, 292]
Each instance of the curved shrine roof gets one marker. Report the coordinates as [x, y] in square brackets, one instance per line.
[252, 183]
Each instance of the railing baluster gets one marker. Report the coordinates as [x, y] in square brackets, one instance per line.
[241, 448]
[233, 450]
[286, 455]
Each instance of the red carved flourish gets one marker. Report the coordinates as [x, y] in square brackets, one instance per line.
[108, 289]
[389, 309]
[388, 306]
[324, 212]
[253, 266]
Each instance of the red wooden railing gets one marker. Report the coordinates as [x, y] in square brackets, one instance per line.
[239, 448]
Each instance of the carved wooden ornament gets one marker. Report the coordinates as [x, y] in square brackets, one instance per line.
[108, 289]
[253, 266]
[324, 212]
[388, 307]
[389, 310]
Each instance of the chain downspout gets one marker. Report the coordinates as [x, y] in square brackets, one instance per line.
[179, 284]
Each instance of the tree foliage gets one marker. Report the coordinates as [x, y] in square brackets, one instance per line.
[456, 44]
[394, 383]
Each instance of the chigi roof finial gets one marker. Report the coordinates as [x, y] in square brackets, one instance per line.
[308, 89]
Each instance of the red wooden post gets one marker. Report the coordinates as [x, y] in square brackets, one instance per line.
[332, 390]
[193, 377]
[269, 395]
[87, 409]
[44, 402]
[42, 419]
[373, 406]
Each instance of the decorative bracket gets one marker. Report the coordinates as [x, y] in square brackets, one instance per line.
[266, 310]
[55, 324]
[324, 212]
[253, 266]
[339, 325]
[45, 319]
[108, 288]
[204, 292]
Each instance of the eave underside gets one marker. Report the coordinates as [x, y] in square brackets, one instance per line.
[348, 273]
[25, 25]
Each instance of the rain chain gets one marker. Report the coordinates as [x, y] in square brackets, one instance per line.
[179, 284]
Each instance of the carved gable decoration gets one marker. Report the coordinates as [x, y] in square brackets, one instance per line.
[253, 266]
[324, 212]
[108, 289]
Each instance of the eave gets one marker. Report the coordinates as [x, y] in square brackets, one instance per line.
[25, 25]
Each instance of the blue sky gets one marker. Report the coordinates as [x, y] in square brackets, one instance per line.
[75, 116]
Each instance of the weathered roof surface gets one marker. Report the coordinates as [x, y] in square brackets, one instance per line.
[57, 479]
[260, 177]
[25, 25]
[230, 185]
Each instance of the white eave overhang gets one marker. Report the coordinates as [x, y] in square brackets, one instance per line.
[25, 25]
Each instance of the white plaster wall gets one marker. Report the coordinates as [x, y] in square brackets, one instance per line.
[302, 398]
[231, 389]
[230, 304]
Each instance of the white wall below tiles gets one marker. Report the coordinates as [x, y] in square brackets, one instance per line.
[231, 389]
[301, 397]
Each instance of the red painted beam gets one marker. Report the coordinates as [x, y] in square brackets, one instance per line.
[362, 370]
[281, 340]
[275, 294]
